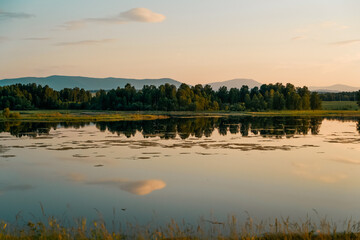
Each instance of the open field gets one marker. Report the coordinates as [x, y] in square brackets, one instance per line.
[312, 113]
[340, 105]
[89, 115]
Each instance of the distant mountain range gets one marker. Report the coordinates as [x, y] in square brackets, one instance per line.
[60, 82]
[235, 83]
[335, 88]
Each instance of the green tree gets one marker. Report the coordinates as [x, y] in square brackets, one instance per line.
[315, 101]
[215, 106]
[279, 101]
[270, 99]
[223, 95]
[255, 103]
[234, 95]
[184, 96]
[247, 101]
[305, 102]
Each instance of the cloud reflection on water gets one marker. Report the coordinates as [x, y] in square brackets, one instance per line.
[138, 187]
[142, 187]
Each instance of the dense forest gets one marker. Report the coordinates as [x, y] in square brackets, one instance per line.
[164, 98]
[340, 96]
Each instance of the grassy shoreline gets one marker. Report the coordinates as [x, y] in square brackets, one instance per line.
[80, 115]
[88, 115]
[232, 228]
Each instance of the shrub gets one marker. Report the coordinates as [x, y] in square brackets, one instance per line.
[238, 107]
[6, 113]
[14, 115]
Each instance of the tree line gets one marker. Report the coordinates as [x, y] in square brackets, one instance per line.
[163, 98]
[340, 96]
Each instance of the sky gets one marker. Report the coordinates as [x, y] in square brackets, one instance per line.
[307, 42]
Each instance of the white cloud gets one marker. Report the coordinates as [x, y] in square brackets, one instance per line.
[142, 15]
[133, 15]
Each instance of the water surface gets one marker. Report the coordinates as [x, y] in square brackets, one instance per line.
[181, 168]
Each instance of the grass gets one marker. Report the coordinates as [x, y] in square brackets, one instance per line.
[330, 109]
[311, 113]
[340, 105]
[77, 115]
[204, 229]
[282, 113]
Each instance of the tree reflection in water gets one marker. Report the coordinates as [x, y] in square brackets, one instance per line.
[198, 127]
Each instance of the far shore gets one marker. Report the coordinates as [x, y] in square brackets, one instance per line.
[96, 115]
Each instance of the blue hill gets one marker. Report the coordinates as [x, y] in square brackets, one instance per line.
[59, 82]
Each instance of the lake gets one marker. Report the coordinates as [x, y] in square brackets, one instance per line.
[181, 168]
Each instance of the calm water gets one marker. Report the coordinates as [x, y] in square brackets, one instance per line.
[182, 168]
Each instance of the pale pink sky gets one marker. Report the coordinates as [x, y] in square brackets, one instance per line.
[302, 42]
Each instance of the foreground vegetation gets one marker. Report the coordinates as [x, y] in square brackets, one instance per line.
[205, 229]
[163, 98]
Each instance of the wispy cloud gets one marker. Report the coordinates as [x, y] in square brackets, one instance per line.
[346, 42]
[85, 42]
[133, 15]
[316, 27]
[36, 38]
[13, 15]
[297, 38]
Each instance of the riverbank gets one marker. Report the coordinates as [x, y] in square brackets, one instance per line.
[89, 115]
[81, 115]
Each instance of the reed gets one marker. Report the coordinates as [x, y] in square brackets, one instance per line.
[281, 228]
